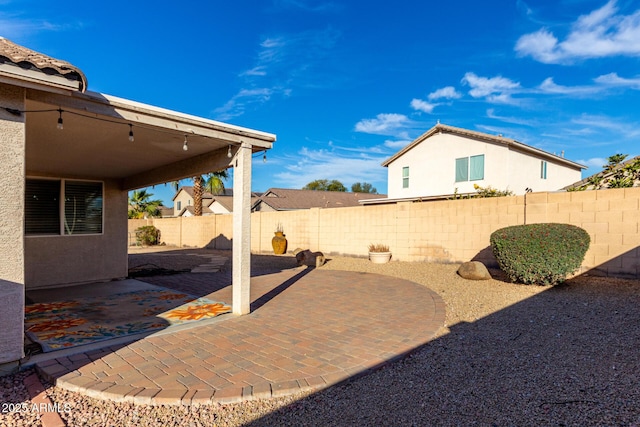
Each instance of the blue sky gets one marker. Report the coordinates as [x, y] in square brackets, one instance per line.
[346, 84]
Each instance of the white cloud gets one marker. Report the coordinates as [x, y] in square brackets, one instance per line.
[424, 106]
[397, 144]
[593, 164]
[283, 63]
[495, 89]
[238, 103]
[14, 28]
[383, 124]
[548, 86]
[448, 92]
[610, 126]
[612, 79]
[601, 33]
[347, 167]
[514, 120]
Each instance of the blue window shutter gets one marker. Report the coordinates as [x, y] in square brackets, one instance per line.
[462, 169]
[543, 169]
[477, 168]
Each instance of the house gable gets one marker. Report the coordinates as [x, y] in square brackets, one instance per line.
[447, 160]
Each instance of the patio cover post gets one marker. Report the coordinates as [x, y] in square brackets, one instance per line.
[241, 300]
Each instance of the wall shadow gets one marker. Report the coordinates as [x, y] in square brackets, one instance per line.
[221, 242]
[566, 356]
[625, 265]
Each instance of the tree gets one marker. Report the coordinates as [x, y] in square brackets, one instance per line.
[213, 182]
[615, 174]
[363, 187]
[141, 205]
[325, 185]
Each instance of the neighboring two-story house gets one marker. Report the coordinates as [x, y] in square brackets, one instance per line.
[183, 202]
[446, 160]
[211, 204]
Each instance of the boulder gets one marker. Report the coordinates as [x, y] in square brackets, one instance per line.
[474, 270]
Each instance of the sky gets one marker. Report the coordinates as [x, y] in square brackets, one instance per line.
[346, 84]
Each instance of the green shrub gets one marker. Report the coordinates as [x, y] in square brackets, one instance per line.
[148, 235]
[542, 254]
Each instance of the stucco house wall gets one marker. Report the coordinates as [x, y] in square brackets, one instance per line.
[524, 172]
[181, 201]
[12, 129]
[104, 256]
[432, 167]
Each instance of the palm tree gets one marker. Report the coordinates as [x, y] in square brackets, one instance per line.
[215, 182]
[141, 205]
[212, 182]
[198, 189]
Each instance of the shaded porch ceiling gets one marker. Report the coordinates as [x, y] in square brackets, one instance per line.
[94, 142]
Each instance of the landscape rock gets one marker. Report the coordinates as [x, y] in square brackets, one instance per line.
[474, 270]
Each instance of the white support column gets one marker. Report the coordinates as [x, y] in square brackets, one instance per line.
[241, 276]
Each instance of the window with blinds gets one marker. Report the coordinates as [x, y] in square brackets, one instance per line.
[54, 207]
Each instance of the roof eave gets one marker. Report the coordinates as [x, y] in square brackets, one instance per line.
[486, 137]
[33, 79]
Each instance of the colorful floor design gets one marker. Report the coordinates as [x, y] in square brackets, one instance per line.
[63, 324]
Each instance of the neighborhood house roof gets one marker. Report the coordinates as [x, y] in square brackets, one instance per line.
[603, 178]
[191, 209]
[189, 191]
[289, 199]
[496, 139]
[26, 60]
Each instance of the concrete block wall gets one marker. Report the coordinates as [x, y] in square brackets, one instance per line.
[438, 231]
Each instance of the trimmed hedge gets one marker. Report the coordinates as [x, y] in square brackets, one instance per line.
[541, 254]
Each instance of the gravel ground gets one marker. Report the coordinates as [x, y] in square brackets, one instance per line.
[510, 355]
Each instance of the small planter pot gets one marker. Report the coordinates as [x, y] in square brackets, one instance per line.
[379, 257]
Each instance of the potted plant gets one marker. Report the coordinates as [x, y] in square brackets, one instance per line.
[379, 253]
[279, 241]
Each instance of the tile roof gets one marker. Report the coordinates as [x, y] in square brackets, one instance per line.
[290, 199]
[225, 201]
[189, 191]
[604, 176]
[191, 210]
[27, 58]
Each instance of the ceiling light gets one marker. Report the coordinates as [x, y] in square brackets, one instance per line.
[60, 124]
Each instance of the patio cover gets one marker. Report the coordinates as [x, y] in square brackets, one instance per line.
[36, 91]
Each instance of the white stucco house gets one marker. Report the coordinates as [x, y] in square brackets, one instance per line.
[447, 160]
[69, 158]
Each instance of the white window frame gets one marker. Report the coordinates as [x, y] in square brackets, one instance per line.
[405, 177]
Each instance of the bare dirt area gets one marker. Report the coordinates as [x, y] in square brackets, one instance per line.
[508, 355]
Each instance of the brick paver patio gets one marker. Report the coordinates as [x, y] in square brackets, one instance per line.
[308, 329]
